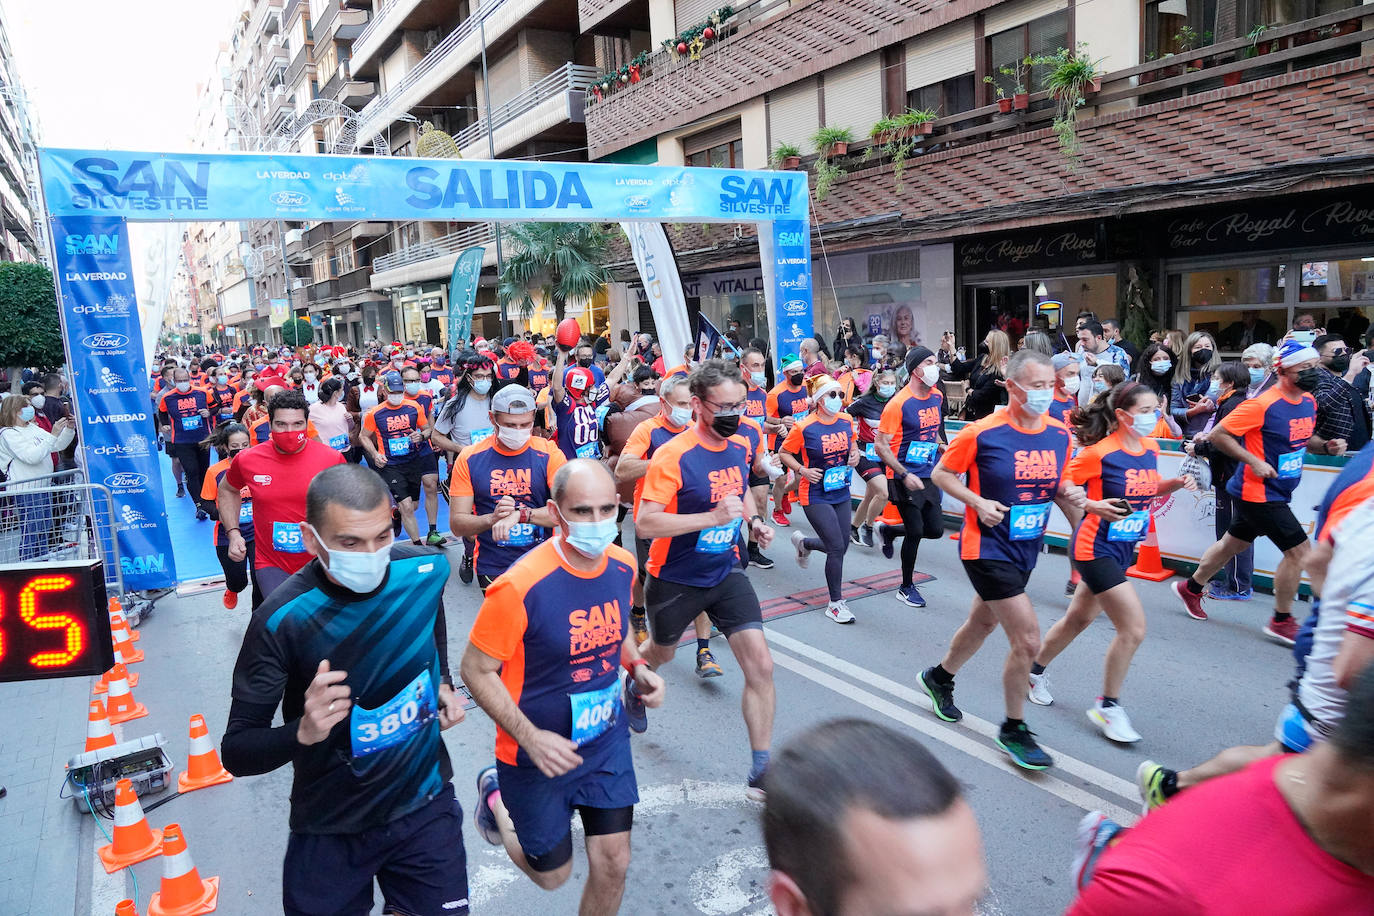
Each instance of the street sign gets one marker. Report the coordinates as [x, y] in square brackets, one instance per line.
[53, 620]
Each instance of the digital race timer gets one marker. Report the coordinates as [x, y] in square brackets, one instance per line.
[53, 620]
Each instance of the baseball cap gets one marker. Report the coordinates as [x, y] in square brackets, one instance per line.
[513, 399]
[579, 380]
[394, 382]
[1060, 360]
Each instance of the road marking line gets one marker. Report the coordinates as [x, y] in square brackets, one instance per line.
[1072, 794]
[1071, 765]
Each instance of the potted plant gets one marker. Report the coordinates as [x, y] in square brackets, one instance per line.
[1020, 97]
[785, 156]
[910, 123]
[831, 142]
[1068, 80]
[1003, 103]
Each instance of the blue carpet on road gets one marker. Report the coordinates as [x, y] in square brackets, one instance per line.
[192, 542]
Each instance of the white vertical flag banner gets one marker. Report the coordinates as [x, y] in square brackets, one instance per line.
[663, 286]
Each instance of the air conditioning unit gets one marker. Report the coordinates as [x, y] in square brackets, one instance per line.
[294, 235]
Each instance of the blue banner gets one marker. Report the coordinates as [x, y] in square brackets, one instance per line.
[235, 186]
[786, 259]
[462, 296]
[104, 347]
[708, 338]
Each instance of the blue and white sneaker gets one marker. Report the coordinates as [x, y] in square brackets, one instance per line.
[1095, 833]
[911, 596]
[482, 817]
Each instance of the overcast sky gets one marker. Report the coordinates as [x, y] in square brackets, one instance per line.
[116, 74]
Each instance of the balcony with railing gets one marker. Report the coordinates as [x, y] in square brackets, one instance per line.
[434, 258]
[338, 24]
[391, 17]
[556, 99]
[442, 63]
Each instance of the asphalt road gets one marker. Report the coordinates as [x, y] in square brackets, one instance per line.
[1194, 689]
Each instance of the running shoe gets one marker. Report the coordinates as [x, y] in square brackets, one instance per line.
[1191, 603]
[866, 535]
[483, 817]
[435, 539]
[1069, 588]
[1149, 781]
[1114, 722]
[201, 515]
[1020, 745]
[885, 537]
[639, 623]
[911, 596]
[231, 599]
[941, 697]
[1221, 594]
[839, 612]
[1039, 692]
[854, 537]
[707, 666]
[755, 791]
[780, 519]
[465, 570]
[181, 489]
[635, 712]
[1284, 632]
[1096, 832]
[756, 558]
[803, 552]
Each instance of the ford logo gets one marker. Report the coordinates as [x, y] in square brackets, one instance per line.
[126, 481]
[290, 198]
[105, 341]
[794, 307]
[637, 202]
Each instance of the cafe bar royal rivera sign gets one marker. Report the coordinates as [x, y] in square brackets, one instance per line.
[1302, 223]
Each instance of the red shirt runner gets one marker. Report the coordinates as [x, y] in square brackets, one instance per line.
[277, 484]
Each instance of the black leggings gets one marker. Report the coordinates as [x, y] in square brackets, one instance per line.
[236, 575]
[831, 521]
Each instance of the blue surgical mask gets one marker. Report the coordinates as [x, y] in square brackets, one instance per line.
[1256, 376]
[1213, 390]
[1144, 423]
[886, 391]
[481, 385]
[680, 416]
[26, 413]
[592, 538]
[833, 403]
[758, 378]
[1038, 401]
[412, 387]
[1161, 366]
[1099, 385]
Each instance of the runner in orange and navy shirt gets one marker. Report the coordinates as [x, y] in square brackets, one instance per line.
[429, 458]
[1015, 462]
[1119, 467]
[695, 497]
[907, 443]
[229, 439]
[822, 451]
[184, 416]
[753, 365]
[395, 435]
[1268, 435]
[785, 405]
[543, 660]
[501, 485]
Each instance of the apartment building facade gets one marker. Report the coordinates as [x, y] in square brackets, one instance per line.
[22, 236]
[1222, 167]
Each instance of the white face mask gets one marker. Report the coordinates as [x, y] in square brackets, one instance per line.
[930, 375]
[1072, 384]
[592, 538]
[395, 399]
[357, 571]
[183, 386]
[513, 439]
[38, 401]
[680, 416]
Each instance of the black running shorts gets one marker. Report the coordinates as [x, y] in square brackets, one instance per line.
[996, 580]
[1100, 574]
[732, 606]
[403, 480]
[1274, 521]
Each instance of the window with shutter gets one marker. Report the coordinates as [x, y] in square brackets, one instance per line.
[854, 95]
[1006, 15]
[687, 13]
[938, 56]
[793, 115]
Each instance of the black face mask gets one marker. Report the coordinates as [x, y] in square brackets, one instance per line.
[725, 425]
[1339, 364]
[1202, 357]
[1307, 379]
[584, 363]
[794, 378]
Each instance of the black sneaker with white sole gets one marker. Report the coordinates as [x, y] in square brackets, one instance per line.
[941, 696]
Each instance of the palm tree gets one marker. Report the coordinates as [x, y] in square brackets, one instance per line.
[562, 260]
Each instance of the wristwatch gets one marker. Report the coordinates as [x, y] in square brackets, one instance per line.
[524, 515]
[757, 518]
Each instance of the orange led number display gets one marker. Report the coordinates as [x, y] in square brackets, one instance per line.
[53, 621]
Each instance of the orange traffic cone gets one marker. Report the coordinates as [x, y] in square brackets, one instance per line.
[183, 892]
[119, 622]
[1148, 564]
[134, 840]
[103, 685]
[124, 645]
[203, 768]
[126, 908]
[98, 731]
[121, 705]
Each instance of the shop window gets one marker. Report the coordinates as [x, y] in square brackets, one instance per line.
[1350, 281]
[947, 97]
[1006, 49]
[1175, 26]
[346, 259]
[1228, 286]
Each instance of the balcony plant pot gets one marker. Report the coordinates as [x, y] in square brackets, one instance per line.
[924, 128]
[1232, 79]
[1094, 86]
[1020, 101]
[1004, 106]
[837, 149]
[791, 163]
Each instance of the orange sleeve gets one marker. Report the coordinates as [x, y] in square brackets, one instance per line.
[556, 460]
[637, 446]
[211, 486]
[770, 403]
[1247, 417]
[960, 453]
[1085, 466]
[1162, 431]
[461, 485]
[891, 420]
[664, 479]
[794, 441]
[501, 620]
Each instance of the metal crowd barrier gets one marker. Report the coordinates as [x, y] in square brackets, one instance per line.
[60, 516]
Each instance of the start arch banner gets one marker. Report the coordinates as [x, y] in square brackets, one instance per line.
[91, 195]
